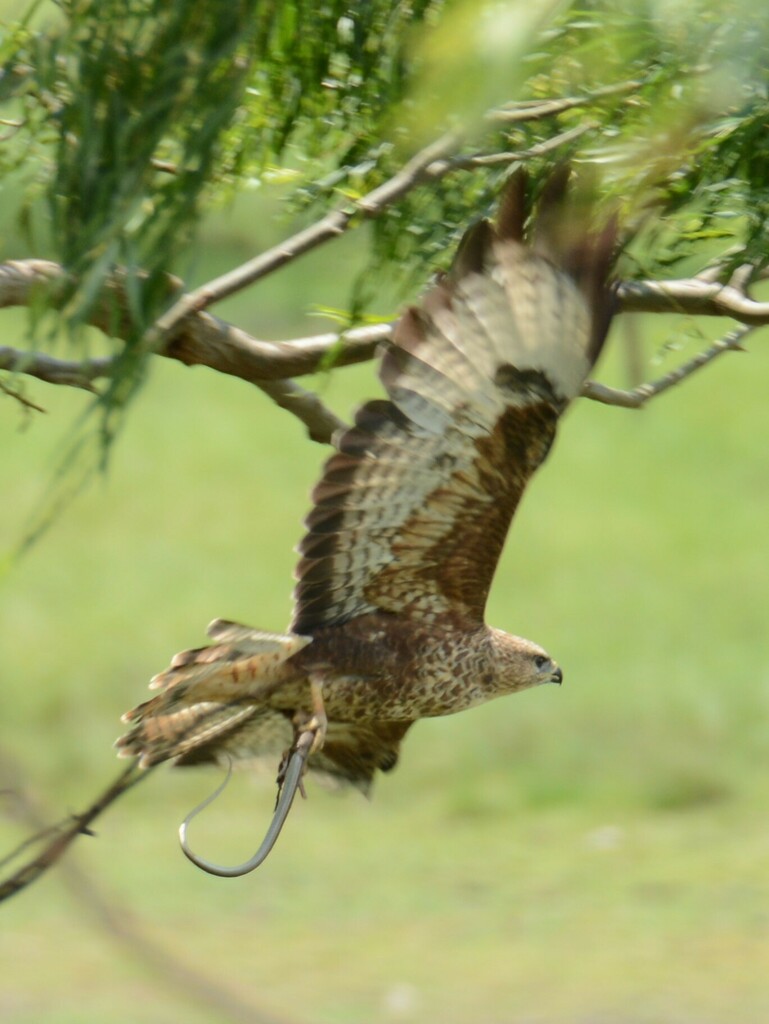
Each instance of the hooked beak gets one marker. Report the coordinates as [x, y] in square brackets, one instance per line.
[557, 676]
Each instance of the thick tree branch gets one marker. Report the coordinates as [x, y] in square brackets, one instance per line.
[203, 339]
[74, 373]
[695, 296]
[200, 339]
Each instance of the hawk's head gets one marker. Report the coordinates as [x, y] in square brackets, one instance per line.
[521, 664]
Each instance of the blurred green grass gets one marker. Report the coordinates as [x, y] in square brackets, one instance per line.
[594, 853]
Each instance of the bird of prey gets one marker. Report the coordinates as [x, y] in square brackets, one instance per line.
[409, 519]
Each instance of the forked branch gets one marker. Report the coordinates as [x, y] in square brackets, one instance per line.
[639, 396]
[191, 984]
[190, 335]
[202, 339]
[61, 836]
[693, 296]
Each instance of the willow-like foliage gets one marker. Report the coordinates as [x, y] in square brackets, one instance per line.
[127, 120]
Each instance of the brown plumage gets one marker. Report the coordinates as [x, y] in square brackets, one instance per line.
[409, 518]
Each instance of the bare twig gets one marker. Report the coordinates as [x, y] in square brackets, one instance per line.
[638, 397]
[75, 374]
[66, 832]
[18, 397]
[331, 226]
[470, 161]
[535, 110]
[320, 422]
[121, 925]
[165, 166]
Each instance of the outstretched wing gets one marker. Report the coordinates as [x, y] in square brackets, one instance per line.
[411, 514]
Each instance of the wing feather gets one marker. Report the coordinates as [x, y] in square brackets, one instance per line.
[411, 514]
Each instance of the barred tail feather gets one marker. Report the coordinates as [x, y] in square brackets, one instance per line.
[206, 692]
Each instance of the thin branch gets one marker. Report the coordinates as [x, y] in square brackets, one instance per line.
[73, 373]
[20, 398]
[331, 226]
[536, 110]
[638, 397]
[120, 924]
[429, 164]
[472, 160]
[320, 422]
[65, 833]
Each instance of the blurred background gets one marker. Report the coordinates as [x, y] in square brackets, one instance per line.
[597, 852]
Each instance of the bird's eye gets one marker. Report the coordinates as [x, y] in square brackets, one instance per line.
[541, 661]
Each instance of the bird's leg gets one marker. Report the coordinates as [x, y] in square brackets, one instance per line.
[317, 722]
[310, 732]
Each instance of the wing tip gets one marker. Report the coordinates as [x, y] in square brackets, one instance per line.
[567, 227]
[512, 210]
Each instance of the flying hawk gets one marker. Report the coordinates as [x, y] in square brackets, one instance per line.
[409, 519]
